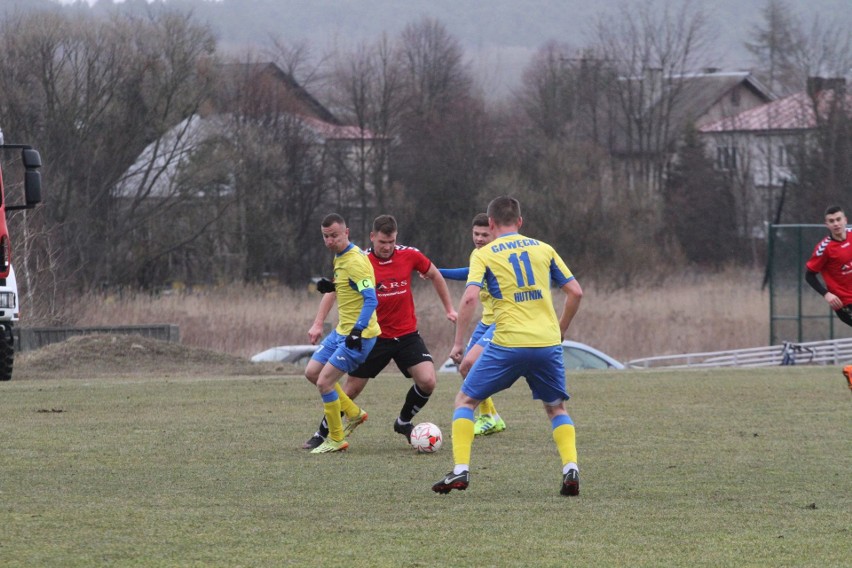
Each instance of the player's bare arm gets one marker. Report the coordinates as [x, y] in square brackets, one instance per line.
[315, 332]
[573, 294]
[467, 309]
[442, 290]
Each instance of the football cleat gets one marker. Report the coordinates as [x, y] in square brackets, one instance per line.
[486, 424]
[571, 483]
[313, 442]
[331, 446]
[452, 481]
[354, 423]
[404, 429]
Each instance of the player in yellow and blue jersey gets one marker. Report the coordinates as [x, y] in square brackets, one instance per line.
[517, 271]
[345, 348]
[488, 420]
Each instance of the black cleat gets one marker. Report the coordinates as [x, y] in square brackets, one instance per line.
[404, 429]
[571, 483]
[452, 481]
[313, 442]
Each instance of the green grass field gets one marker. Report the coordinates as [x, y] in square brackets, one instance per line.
[715, 468]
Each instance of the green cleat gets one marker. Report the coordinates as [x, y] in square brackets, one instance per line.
[331, 446]
[486, 424]
[354, 423]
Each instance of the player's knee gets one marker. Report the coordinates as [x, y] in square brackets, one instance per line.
[424, 377]
[312, 373]
[325, 383]
[466, 401]
[426, 384]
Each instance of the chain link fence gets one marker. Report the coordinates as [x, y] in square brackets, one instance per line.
[797, 313]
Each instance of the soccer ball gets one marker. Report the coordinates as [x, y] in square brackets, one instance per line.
[426, 438]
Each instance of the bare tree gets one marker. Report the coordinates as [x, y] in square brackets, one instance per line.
[597, 130]
[651, 48]
[823, 172]
[299, 60]
[287, 166]
[825, 51]
[97, 92]
[442, 158]
[823, 169]
[776, 44]
[434, 71]
[368, 91]
[548, 90]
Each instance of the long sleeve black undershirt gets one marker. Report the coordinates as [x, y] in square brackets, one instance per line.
[811, 278]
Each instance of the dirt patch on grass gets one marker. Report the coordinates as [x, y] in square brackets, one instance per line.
[101, 356]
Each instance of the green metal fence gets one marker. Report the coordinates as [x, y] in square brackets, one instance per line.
[797, 313]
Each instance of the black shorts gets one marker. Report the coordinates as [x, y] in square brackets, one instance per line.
[845, 314]
[406, 351]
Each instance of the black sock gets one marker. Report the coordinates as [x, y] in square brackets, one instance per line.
[323, 427]
[414, 402]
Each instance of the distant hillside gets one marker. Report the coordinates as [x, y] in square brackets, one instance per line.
[500, 35]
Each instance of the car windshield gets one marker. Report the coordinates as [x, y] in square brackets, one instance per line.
[579, 359]
[302, 359]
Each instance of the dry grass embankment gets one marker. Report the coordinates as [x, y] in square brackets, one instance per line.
[688, 313]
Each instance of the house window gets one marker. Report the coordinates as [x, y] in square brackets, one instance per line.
[726, 158]
[786, 155]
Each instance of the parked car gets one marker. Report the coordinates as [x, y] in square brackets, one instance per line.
[581, 356]
[578, 356]
[296, 354]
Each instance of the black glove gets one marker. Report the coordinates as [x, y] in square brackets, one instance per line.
[325, 286]
[353, 340]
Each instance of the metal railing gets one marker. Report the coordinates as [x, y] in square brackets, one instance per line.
[827, 352]
[30, 338]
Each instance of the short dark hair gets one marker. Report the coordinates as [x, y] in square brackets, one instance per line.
[480, 220]
[505, 211]
[833, 209]
[385, 224]
[333, 218]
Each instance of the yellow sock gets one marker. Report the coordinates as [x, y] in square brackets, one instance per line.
[565, 439]
[332, 417]
[462, 435]
[349, 408]
[487, 407]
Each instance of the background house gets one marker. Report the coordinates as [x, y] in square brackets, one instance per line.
[649, 116]
[261, 161]
[762, 148]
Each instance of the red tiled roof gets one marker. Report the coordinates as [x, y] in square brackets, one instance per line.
[795, 112]
[337, 131]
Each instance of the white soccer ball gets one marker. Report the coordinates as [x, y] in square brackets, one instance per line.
[426, 438]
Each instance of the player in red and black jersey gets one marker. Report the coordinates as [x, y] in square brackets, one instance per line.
[832, 259]
[399, 340]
